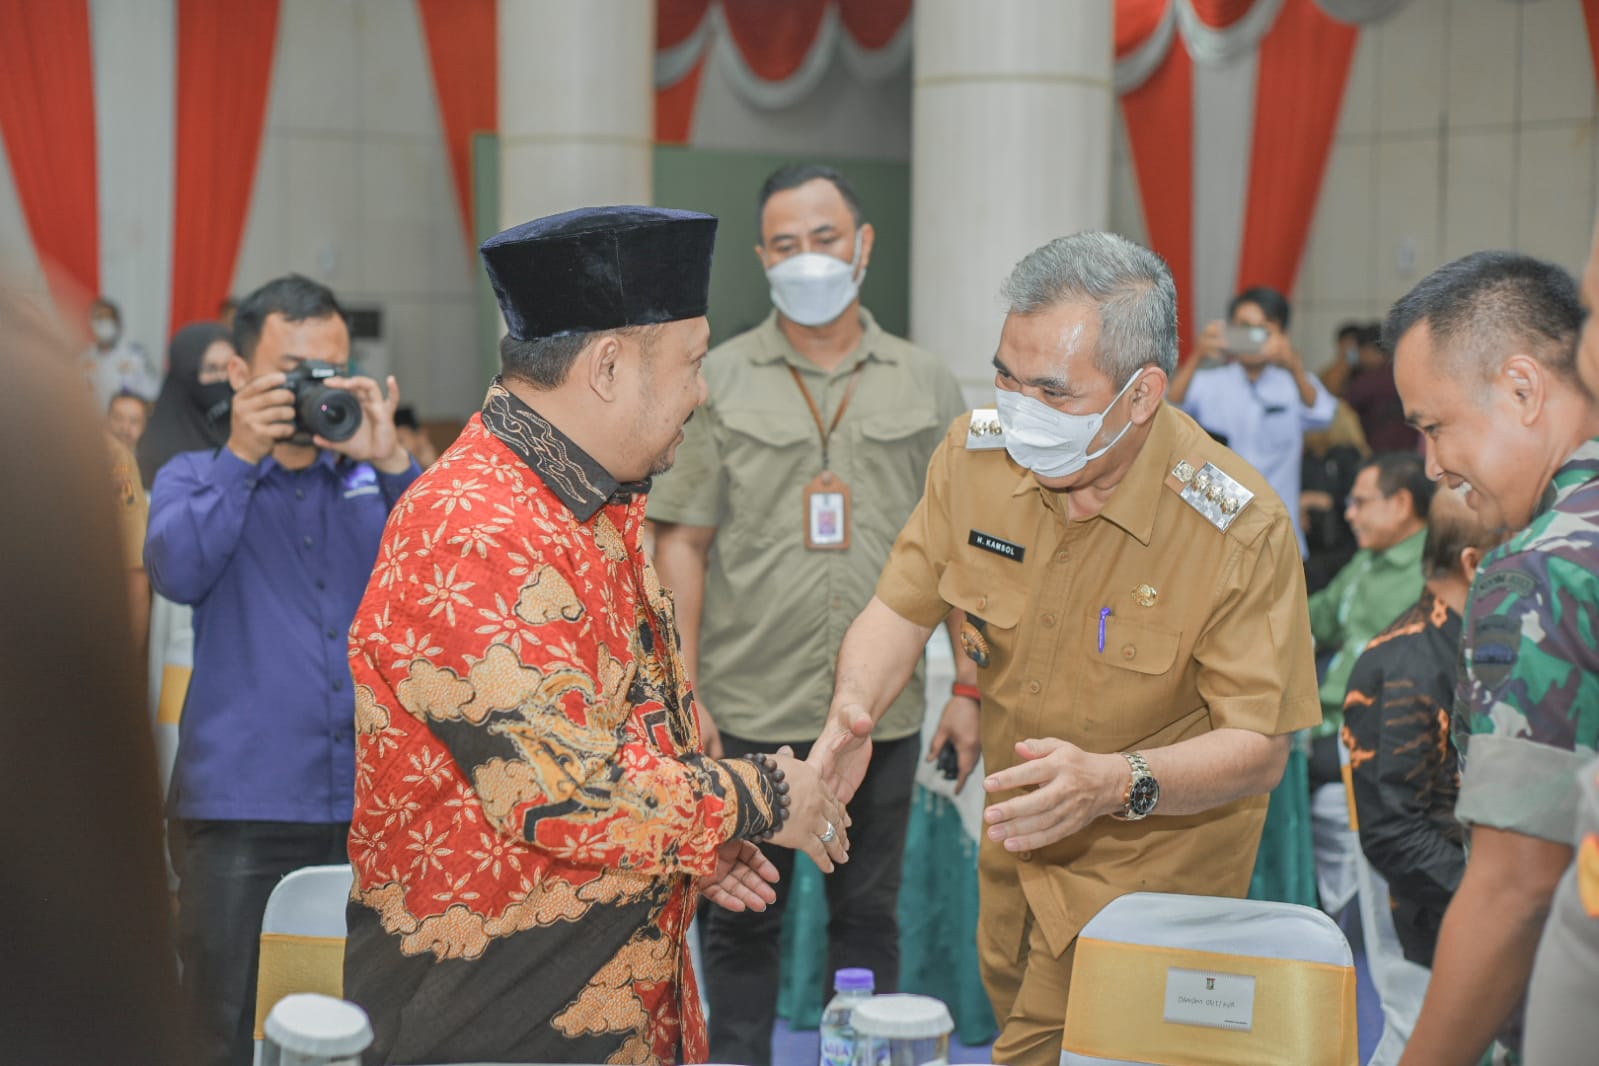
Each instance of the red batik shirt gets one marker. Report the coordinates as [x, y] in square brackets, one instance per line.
[531, 803]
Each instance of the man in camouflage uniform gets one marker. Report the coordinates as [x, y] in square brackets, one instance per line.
[1485, 363]
[1404, 777]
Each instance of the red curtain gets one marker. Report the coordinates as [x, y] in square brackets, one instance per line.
[1160, 131]
[47, 119]
[675, 23]
[674, 107]
[873, 23]
[225, 50]
[1590, 12]
[1219, 14]
[1304, 65]
[1135, 22]
[774, 38]
[463, 49]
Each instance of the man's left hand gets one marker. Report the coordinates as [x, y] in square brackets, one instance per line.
[375, 442]
[743, 879]
[1065, 788]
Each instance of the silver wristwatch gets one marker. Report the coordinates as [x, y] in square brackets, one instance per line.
[1143, 791]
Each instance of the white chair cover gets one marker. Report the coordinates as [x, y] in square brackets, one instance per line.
[1253, 928]
[308, 903]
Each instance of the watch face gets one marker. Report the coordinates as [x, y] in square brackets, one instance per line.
[1146, 791]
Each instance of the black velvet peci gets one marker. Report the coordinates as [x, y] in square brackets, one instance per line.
[601, 268]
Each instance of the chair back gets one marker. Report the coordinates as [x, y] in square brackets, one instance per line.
[302, 938]
[1209, 981]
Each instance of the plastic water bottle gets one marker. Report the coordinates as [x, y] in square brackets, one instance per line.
[838, 1038]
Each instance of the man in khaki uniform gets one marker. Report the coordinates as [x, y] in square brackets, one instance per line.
[790, 486]
[1136, 606]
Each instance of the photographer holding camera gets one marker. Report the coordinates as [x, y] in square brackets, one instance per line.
[272, 539]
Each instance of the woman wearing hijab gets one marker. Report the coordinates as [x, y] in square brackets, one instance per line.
[190, 415]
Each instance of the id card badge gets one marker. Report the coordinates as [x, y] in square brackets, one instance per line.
[826, 513]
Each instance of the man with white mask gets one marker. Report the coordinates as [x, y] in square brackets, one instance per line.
[1136, 609]
[790, 485]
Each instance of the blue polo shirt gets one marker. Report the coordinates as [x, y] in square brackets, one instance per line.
[274, 562]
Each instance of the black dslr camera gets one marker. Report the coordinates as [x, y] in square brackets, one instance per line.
[321, 410]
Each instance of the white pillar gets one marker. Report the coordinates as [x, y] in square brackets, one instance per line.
[577, 105]
[1011, 148]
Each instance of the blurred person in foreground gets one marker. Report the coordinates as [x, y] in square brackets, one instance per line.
[86, 916]
[270, 539]
[1137, 615]
[816, 399]
[1403, 772]
[1485, 359]
[536, 818]
[1247, 382]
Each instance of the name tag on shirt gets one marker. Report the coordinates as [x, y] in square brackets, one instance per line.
[361, 480]
[1013, 552]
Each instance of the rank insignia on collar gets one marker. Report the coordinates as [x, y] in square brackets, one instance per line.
[1144, 595]
[1211, 492]
[973, 642]
[985, 433]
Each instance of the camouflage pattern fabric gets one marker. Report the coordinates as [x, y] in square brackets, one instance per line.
[1527, 706]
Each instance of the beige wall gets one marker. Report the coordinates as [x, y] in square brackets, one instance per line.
[354, 189]
[1467, 124]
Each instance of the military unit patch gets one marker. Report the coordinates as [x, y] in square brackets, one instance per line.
[1495, 645]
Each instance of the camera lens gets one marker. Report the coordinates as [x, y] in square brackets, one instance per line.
[332, 414]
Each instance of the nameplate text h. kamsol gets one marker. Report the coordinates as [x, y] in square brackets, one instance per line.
[997, 545]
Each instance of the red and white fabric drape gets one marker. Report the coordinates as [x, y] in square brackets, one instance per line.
[1231, 107]
[53, 116]
[773, 55]
[221, 106]
[463, 43]
[47, 121]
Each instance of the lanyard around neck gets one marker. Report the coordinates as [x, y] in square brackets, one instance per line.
[826, 431]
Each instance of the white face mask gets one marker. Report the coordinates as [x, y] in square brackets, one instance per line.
[814, 288]
[105, 330]
[1053, 443]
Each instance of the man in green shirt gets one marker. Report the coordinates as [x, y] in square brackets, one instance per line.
[1387, 509]
[791, 484]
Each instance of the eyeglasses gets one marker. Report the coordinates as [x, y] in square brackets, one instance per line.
[1353, 502]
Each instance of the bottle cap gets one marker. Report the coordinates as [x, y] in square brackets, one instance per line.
[854, 979]
[315, 1025]
[902, 1016]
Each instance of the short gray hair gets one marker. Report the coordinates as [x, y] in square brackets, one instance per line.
[1130, 285]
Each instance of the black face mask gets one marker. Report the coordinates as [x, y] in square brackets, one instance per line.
[215, 399]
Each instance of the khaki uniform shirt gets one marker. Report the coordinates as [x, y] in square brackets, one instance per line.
[774, 612]
[133, 507]
[1206, 629]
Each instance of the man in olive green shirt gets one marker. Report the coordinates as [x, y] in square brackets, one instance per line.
[791, 484]
[1387, 509]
